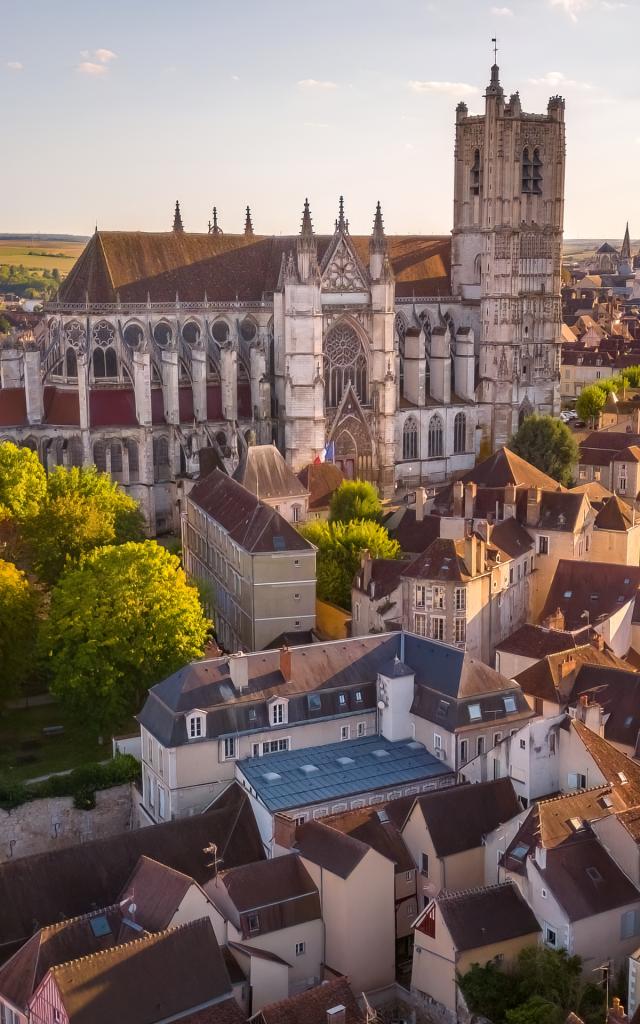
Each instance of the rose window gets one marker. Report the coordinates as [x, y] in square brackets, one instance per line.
[75, 335]
[104, 334]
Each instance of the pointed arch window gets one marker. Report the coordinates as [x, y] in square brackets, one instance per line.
[459, 433]
[410, 439]
[134, 460]
[71, 363]
[74, 449]
[161, 464]
[345, 363]
[100, 456]
[116, 460]
[436, 437]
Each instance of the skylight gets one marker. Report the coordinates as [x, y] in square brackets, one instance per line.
[509, 704]
[519, 852]
[314, 701]
[568, 593]
[594, 874]
[623, 778]
[475, 712]
[576, 824]
[345, 761]
[271, 776]
[308, 769]
[379, 753]
[100, 926]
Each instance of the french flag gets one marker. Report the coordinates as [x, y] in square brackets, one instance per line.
[327, 454]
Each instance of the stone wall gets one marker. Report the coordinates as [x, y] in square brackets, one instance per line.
[44, 825]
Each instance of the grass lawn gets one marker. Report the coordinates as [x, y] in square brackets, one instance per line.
[26, 753]
[40, 255]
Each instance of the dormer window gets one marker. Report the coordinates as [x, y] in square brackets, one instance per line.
[195, 726]
[278, 712]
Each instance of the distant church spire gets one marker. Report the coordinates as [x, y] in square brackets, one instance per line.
[378, 242]
[625, 252]
[248, 226]
[214, 229]
[306, 228]
[177, 218]
[494, 88]
[341, 223]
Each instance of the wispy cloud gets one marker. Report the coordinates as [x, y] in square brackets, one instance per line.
[316, 124]
[315, 83]
[444, 88]
[95, 63]
[15, 65]
[501, 12]
[557, 80]
[235, 78]
[572, 8]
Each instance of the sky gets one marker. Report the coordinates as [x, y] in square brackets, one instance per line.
[113, 110]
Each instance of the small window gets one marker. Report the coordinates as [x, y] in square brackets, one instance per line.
[362, 729]
[538, 706]
[314, 702]
[300, 819]
[342, 699]
[344, 732]
[359, 696]
[543, 545]
[497, 736]
[550, 937]
[523, 744]
[408, 876]
[230, 748]
[544, 893]
[195, 727]
[424, 865]
[301, 948]
[437, 741]
[277, 714]
[464, 751]
[475, 712]
[253, 922]
[509, 705]
[480, 746]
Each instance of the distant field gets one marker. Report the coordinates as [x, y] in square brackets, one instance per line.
[40, 255]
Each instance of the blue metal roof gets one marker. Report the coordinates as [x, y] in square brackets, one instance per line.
[298, 778]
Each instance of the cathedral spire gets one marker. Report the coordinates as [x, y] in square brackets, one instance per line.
[214, 229]
[306, 245]
[248, 226]
[341, 223]
[177, 218]
[625, 252]
[378, 242]
[494, 88]
[306, 228]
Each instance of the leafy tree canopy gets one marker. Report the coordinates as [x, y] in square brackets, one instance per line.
[340, 546]
[548, 444]
[83, 509]
[23, 482]
[590, 402]
[355, 499]
[17, 629]
[121, 620]
[632, 376]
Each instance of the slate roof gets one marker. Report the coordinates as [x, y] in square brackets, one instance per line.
[330, 848]
[276, 894]
[584, 879]
[249, 522]
[553, 678]
[486, 916]
[225, 1012]
[143, 981]
[264, 472]
[157, 891]
[615, 514]
[443, 560]
[511, 538]
[617, 690]
[600, 588]
[386, 574]
[377, 827]
[36, 890]
[531, 641]
[317, 775]
[320, 480]
[311, 1007]
[413, 535]
[460, 818]
[136, 264]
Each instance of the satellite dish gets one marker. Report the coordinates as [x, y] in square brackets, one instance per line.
[132, 908]
[381, 705]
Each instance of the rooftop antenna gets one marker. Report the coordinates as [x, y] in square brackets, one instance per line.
[212, 850]
[494, 40]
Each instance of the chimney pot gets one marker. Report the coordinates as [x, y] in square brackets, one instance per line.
[534, 499]
[421, 499]
[458, 498]
[470, 491]
[285, 663]
[336, 1014]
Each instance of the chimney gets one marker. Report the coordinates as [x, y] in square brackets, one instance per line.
[471, 554]
[458, 498]
[567, 667]
[534, 498]
[336, 1014]
[284, 831]
[555, 620]
[285, 663]
[509, 504]
[366, 566]
[590, 714]
[421, 498]
[470, 491]
[239, 671]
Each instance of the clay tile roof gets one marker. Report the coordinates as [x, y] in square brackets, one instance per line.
[249, 522]
[264, 472]
[459, 817]
[615, 514]
[620, 771]
[595, 491]
[143, 981]
[311, 1007]
[331, 849]
[533, 641]
[157, 891]
[378, 827]
[630, 454]
[505, 467]
[585, 880]
[598, 588]
[279, 893]
[70, 881]
[226, 1012]
[321, 480]
[486, 916]
[553, 678]
[443, 560]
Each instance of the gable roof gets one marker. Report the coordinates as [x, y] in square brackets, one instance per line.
[320, 480]
[379, 828]
[152, 978]
[279, 893]
[615, 514]
[511, 538]
[532, 641]
[311, 1007]
[264, 472]
[157, 892]
[486, 916]
[330, 848]
[620, 771]
[616, 688]
[72, 880]
[227, 267]
[599, 588]
[505, 467]
[256, 527]
[459, 818]
[584, 879]
[443, 560]
[553, 678]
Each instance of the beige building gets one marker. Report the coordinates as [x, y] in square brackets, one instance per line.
[582, 367]
[459, 929]
[264, 472]
[258, 573]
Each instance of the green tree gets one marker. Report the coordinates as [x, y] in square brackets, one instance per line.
[5, 326]
[632, 376]
[548, 444]
[83, 509]
[590, 403]
[340, 546]
[23, 482]
[355, 499]
[489, 991]
[536, 1010]
[18, 606]
[121, 620]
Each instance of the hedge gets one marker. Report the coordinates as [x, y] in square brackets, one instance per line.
[82, 783]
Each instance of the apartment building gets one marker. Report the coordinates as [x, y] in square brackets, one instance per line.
[257, 572]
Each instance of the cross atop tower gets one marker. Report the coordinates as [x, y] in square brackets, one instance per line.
[494, 40]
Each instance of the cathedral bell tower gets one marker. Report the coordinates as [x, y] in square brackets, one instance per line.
[507, 250]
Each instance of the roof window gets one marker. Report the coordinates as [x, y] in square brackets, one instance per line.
[314, 702]
[567, 594]
[475, 712]
[509, 704]
[594, 874]
[342, 699]
[309, 769]
[271, 776]
[519, 852]
[623, 778]
[379, 753]
[443, 707]
[100, 926]
[576, 824]
[344, 762]
[593, 597]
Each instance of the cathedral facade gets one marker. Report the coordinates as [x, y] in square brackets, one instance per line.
[407, 354]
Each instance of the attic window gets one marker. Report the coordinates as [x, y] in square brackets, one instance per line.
[509, 704]
[594, 874]
[475, 712]
[253, 922]
[620, 599]
[627, 581]
[568, 593]
[271, 776]
[519, 852]
[628, 721]
[342, 699]
[359, 696]
[252, 714]
[314, 702]
[576, 824]
[100, 926]
[443, 707]
[623, 778]
[593, 597]
[606, 800]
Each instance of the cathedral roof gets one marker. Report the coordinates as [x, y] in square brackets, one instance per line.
[136, 265]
